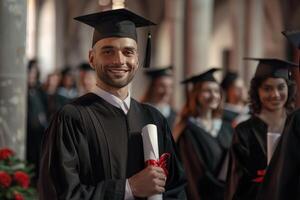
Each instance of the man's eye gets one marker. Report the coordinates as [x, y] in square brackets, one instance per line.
[107, 52]
[129, 52]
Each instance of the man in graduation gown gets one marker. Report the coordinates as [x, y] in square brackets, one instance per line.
[36, 116]
[282, 179]
[160, 91]
[93, 148]
[235, 109]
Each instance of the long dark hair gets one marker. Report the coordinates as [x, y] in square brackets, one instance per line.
[255, 104]
[191, 109]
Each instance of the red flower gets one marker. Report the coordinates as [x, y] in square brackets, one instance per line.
[5, 153]
[22, 179]
[18, 196]
[5, 179]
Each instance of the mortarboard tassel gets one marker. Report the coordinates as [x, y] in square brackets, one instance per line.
[148, 52]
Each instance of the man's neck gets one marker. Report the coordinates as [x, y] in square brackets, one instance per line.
[121, 93]
[235, 101]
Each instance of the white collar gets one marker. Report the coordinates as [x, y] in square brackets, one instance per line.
[113, 100]
[165, 109]
[216, 126]
[236, 108]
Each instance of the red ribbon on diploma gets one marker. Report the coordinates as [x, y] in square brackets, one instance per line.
[162, 162]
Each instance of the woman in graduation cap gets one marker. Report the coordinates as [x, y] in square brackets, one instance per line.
[160, 91]
[204, 138]
[93, 148]
[272, 96]
[282, 179]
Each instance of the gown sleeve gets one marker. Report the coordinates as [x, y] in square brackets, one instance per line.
[237, 170]
[176, 179]
[193, 169]
[60, 176]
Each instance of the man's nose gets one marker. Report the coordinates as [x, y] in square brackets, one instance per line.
[119, 58]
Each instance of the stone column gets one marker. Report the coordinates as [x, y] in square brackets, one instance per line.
[117, 4]
[198, 21]
[46, 38]
[254, 36]
[177, 49]
[237, 8]
[13, 74]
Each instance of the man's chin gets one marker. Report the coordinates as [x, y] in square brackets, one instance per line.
[119, 84]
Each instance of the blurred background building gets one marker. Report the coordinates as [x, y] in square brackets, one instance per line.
[191, 35]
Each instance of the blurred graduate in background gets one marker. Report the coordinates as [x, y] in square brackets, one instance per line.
[204, 138]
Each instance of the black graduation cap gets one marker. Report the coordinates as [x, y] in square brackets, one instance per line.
[293, 37]
[158, 72]
[85, 67]
[117, 23]
[229, 79]
[66, 71]
[205, 76]
[273, 67]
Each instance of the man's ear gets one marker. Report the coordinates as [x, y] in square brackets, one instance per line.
[91, 58]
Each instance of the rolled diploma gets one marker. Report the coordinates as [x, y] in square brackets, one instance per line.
[151, 152]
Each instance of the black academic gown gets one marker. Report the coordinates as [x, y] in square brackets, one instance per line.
[204, 157]
[229, 115]
[282, 179]
[248, 160]
[54, 103]
[91, 147]
[171, 118]
[36, 125]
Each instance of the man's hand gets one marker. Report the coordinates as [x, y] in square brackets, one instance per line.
[148, 182]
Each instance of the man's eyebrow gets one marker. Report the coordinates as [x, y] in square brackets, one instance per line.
[130, 48]
[112, 47]
[107, 47]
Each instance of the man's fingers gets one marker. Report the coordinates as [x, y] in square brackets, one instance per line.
[159, 189]
[160, 182]
[159, 170]
[159, 175]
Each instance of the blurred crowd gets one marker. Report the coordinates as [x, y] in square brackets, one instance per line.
[46, 98]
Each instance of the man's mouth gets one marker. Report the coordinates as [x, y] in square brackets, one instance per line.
[118, 70]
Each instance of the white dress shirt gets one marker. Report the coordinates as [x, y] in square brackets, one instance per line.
[272, 141]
